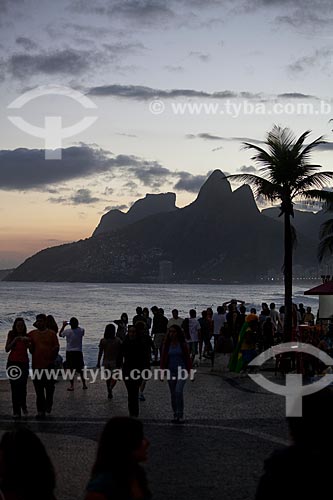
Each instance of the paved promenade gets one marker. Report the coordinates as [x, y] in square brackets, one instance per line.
[231, 426]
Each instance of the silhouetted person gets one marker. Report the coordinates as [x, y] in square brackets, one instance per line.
[26, 471]
[74, 355]
[159, 330]
[176, 356]
[122, 326]
[116, 473]
[51, 323]
[139, 316]
[44, 347]
[110, 352]
[134, 357]
[303, 470]
[17, 345]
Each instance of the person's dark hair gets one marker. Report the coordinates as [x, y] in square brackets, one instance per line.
[219, 309]
[242, 309]
[41, 316]
[154, 309]
[312, 429]
[14, 327]
[124, 316]
[210, 311]
[174, 311]
[282, 310]
[272, 305]
[180, 336]
[161, 310]
[193, 313]
[74, 322]
[28, 470]
[51, 323]
[110, 331]
[253, 310]
[139, 311]
[120, 437]
[145, 311]
[204, 314]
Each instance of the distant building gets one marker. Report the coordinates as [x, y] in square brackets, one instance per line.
[165, 271]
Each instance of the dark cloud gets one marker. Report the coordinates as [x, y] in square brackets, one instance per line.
[204, 135]
[23, 169]
[328, 146]
[203, 57]
[248, 170]
[139, 12]
[131, 186]
[26, 43]
[115, 207]
[319, 58]
[68, 62]
[296, 95]
[151, 174]
[132, 136]
[190, 182]
[139, 92]
[217, 149]
[174, 69]
[80, 197]
[119, 49]
[210, 137]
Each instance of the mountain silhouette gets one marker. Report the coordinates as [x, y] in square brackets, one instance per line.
[220, 236]
[150, 205]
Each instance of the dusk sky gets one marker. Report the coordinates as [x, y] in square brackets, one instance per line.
[248, 64]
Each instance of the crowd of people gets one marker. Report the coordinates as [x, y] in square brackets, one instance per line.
[117, 471]
[172, 343]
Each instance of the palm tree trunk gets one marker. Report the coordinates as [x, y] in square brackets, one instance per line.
[288, 277]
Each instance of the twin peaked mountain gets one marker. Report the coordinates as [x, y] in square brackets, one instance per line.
[221, 236]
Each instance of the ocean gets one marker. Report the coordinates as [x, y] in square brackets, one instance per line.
[96, 304]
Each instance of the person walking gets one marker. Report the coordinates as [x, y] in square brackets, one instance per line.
[17, 346]
[74, 354]
[148, 346]
[44, 347]
[110, 351]
[133, 358]
[192, 331]
[159, 329]
[121, 326]
[176, 358]
[117, 472]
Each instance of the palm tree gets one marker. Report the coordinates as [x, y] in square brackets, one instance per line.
[286, 174]
[325, 248]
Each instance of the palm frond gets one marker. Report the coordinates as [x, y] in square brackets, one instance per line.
[325, 248]
[320, 195]
[326, 229]
[307, 150]
[317, 181]
[260, 185]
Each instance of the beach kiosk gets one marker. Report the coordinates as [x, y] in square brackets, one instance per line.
[325, 293]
